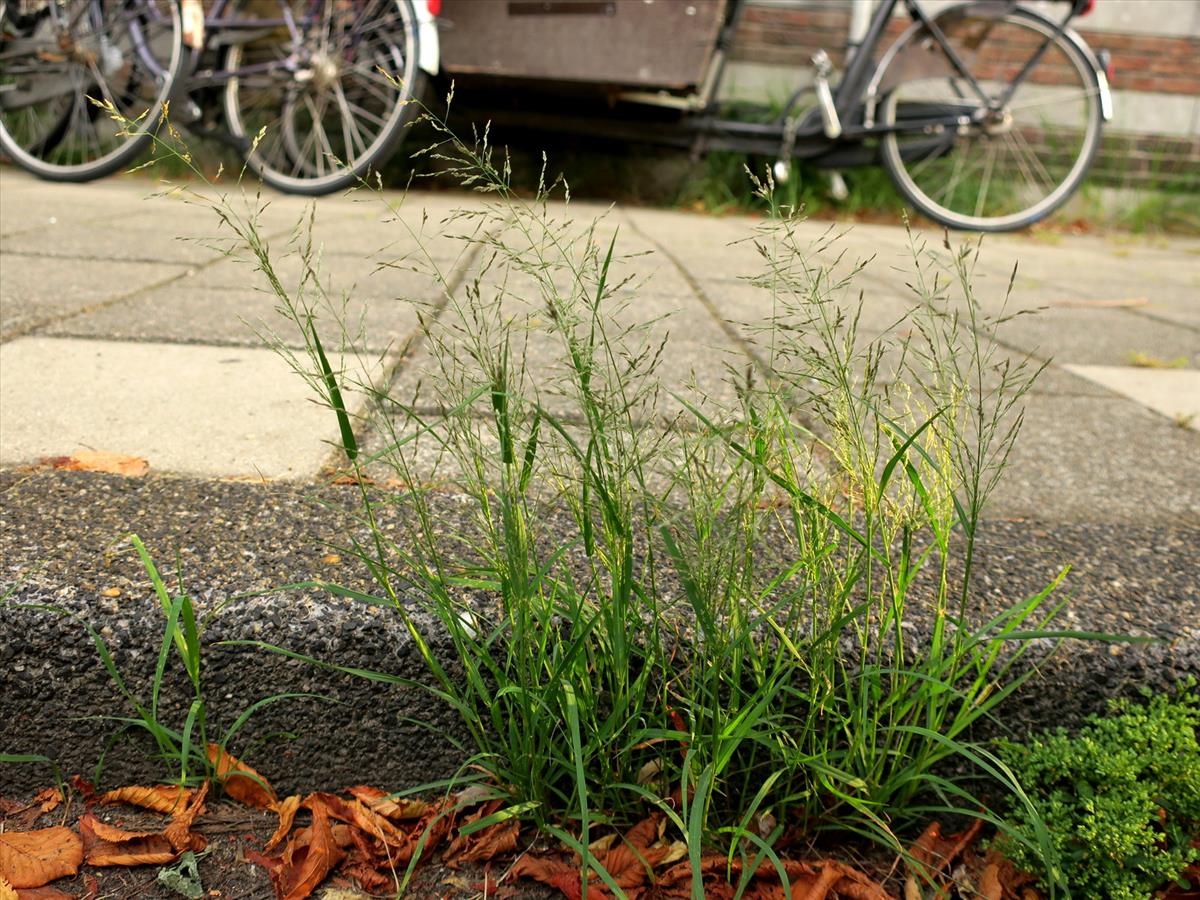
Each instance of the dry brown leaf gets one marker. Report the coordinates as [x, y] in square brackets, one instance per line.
[23, 815]
[179, 830]
[240, 781]
[632, 860]
[163, 798]
[100, 461]
[553, 872]
[86, 790]
[107, 845]
[356, 814]
[999, 877]
[370, 878]
[808, 881]
[42, 893]
[990, 887]
[30, 859]
[485, 844]
[382, 803]
[286, 809]
[936, 852]
[1174, 892]
[309, 857]
[351, 479]
[48, 800]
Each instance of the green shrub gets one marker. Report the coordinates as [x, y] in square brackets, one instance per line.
[1121, 799]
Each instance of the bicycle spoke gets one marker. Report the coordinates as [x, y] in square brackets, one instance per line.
[1034, 159]
[1058, 99]
[353, 134]
[981, 200]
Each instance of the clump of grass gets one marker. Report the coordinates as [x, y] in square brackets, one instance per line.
[181, 746]
[612, 626]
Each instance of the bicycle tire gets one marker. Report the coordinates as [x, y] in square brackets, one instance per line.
[277, 147]
[1055, 179]
[87, 65]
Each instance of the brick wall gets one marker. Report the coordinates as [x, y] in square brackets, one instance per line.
[1155, 47]
[788, 35]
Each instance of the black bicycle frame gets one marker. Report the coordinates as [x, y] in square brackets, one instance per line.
[849, 91]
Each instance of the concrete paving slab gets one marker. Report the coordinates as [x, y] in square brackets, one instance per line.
[210, 411]
[1096, 336]
[1089, 459]
[134, 241]
[35, 290]
[181, 313]
[1173, 392]
[694, 361]
[26, 204]
[356, 276]
[1168, 280]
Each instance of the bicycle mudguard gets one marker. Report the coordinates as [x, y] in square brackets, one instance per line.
[907, 60]
[429, 52]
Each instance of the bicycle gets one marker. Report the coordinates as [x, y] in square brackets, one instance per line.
[986, 114]
[57, 58]
[313, 93]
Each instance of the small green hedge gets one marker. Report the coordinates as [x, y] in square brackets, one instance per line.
[1121, 798]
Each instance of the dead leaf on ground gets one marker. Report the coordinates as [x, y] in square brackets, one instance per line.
[85, 789]
[286, 809]
[354, 813]
[999, 879]
[163, 798]
[179, 830]
[555, 873]
[30, 859]
[352, 479]
[381, 802]
[935, 852]
[100, 461]
[807, 881]
[107, 845]
[990, 887]
[631, 860]
[240, 781]
[370, 879]
[7, 891]
[308, 858]
[23, 815]
[485, 844]
[41, 893]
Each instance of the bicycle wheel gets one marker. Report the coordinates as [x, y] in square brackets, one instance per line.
[1000, 169]
[58, 59]
[311, 102]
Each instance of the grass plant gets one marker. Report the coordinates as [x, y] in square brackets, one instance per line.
[717, 618]
[182, 746]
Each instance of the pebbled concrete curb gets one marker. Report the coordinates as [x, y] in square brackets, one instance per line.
[235, 537]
